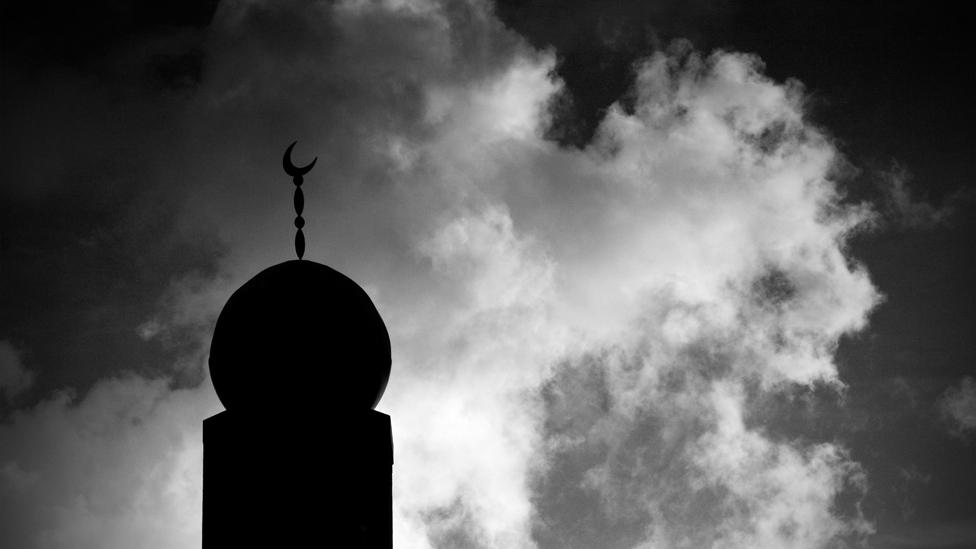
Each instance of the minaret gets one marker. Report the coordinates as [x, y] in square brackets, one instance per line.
[299, 458]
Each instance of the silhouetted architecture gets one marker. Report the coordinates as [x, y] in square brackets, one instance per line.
[299, 358]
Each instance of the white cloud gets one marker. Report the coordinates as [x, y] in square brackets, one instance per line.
[777, 494]
[464, 428]
[958, 405]
[699, 238]
[119, 468]
[715, 254]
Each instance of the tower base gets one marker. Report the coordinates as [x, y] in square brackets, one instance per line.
[281, 483]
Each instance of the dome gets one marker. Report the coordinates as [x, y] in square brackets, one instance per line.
[300, 336]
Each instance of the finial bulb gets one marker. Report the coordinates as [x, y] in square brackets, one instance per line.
[299, 201]
[299, 244]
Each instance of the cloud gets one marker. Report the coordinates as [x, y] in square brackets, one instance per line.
[120, 467]
[720, 266]
[14, 377]
[781, 494]
[576, 333]
[910, 212]
[958, 406]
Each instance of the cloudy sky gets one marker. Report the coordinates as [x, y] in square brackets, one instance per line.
[656, 274]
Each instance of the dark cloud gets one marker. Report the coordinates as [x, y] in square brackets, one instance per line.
[15, 378]
[907, 211]
[91, 182]
[39, 35]
[597, 44]
[958, 405]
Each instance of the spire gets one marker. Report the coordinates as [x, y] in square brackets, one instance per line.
[297, 178]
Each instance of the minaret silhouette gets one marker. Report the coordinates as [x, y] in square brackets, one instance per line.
[299, 358]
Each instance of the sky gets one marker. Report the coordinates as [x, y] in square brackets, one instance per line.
[656, 274]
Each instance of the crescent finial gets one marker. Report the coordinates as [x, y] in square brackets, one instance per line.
[293, 170]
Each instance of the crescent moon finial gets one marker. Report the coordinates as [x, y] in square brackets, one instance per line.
[293, 170]
[296, 174]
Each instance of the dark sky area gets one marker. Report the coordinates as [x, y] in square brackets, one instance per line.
[88, 96]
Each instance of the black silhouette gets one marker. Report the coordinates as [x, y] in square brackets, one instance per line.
[297, 176]
[299, 358]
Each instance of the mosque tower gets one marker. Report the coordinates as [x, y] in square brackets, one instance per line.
[299, 358]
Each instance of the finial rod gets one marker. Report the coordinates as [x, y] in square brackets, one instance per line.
[297, 177]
